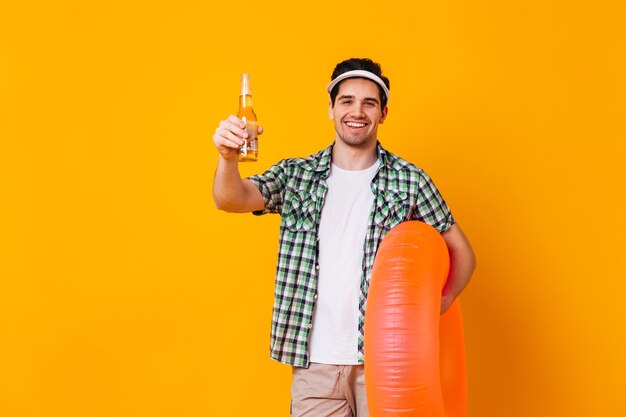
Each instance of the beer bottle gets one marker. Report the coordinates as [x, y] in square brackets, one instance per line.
[249, 150]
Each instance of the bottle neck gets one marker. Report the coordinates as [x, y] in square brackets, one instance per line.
[245, 85]
[245, 100]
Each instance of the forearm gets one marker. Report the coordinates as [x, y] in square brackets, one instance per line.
[229, 191]
[462, 265]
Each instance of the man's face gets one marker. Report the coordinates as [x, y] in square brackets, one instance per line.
[357, 112]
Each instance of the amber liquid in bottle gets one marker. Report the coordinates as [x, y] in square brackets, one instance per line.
[249, 151]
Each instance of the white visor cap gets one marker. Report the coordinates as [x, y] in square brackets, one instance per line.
[359, 74]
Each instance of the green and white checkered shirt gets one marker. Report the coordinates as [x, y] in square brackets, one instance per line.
[295, 188]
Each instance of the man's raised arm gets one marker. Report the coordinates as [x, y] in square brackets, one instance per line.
[231, 193]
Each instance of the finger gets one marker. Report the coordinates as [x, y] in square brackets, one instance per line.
[227, 143]
[259, 130]
[236, 121]
[228, 135]
[227, 126]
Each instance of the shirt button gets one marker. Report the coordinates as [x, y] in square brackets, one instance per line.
[315, 297]
[310, 326]
[317, 267]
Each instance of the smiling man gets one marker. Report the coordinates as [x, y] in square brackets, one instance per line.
[335, 206]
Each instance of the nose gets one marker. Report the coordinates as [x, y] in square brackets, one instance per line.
[357, 109]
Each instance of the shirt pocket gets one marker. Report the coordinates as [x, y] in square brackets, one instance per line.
[392, 208]
[301, 214]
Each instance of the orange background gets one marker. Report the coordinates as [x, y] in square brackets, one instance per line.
[123, 292]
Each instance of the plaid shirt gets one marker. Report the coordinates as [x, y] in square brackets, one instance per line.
[295, 188]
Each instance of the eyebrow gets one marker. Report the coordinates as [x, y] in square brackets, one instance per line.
[352, 97]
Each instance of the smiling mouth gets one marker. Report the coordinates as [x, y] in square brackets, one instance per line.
[356, 124]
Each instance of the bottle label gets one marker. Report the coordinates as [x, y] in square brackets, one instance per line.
[250, 144]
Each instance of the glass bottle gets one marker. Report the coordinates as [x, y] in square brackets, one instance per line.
[250, 149]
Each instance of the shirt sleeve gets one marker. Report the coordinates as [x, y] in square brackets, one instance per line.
[431, 207]
[271, 184]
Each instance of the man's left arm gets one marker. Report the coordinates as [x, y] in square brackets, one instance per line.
[462, 265]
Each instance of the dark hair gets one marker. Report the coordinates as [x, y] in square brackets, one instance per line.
[364, 64]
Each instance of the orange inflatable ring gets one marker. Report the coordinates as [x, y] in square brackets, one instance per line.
[414, 356]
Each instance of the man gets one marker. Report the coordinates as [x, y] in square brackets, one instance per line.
[335, 207]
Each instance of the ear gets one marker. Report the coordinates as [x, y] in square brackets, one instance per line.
[331, 116]
[384, 116]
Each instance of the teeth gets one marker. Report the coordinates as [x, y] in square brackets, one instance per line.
[354, 124]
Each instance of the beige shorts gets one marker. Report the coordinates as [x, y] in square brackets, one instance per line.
[329, 391]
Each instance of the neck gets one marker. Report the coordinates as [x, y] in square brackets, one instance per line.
[352, 158]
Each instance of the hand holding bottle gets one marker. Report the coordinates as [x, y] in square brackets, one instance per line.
[230, 135]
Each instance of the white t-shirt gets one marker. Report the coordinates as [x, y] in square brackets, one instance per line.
[342, 230]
